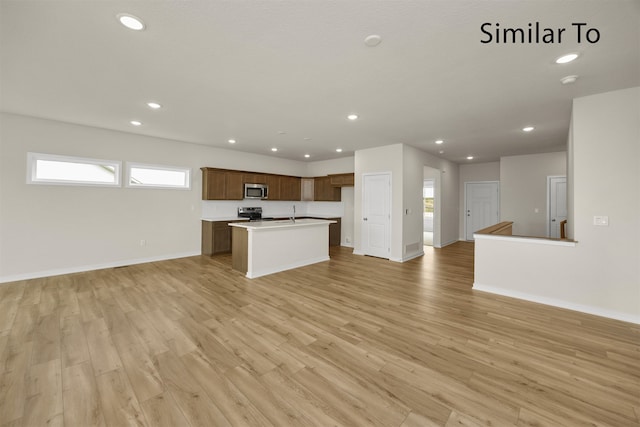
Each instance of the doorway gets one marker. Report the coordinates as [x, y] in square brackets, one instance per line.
[376, 214]
[428, 209]
[481, 206]
[556, 204]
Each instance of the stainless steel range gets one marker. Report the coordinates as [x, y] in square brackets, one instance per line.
[253, 213]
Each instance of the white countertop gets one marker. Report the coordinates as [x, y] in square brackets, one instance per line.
[285, 223]
[235, 218]
[223, 218]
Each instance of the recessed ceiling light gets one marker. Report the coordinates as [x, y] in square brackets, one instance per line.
[339, 150]
[307, 156]
[352, 117]
[373, 40]
[439, 141]
[232, 141]
[135, 122]
[566, 58]
[469, 157]
[131, 22]
[274, 149]
[528, 129]
[154, 105]
[567, 80]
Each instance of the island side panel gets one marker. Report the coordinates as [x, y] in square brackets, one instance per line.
[240, 249]
[281, 249]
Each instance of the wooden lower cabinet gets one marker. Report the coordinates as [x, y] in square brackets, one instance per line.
[216, 237]
[335, 233]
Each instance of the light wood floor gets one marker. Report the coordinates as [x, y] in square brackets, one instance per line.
[355, 341]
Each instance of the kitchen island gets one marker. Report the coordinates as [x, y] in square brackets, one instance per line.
[266, 247]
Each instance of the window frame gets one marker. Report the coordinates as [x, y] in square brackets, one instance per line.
[130, 165]
[32, 170]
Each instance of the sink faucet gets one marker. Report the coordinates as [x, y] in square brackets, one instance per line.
[293, 218]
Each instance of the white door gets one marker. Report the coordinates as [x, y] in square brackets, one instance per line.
[481, 206]
[557, 204]
[376, 214]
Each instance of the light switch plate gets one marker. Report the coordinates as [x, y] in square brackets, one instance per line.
[601, 220]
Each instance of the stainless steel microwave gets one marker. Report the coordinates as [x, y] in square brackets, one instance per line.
[256, 191]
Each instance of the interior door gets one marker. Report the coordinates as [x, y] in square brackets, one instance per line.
[376, 214]
[481, 206]
[557, 204]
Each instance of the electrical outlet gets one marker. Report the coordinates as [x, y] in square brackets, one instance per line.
[601, 221]
[143, 242]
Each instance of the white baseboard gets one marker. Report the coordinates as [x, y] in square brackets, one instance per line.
[408, 257]
[625, 317]
[442, 245]
[83, 268]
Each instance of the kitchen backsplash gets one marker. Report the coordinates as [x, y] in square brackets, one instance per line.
[229, 208]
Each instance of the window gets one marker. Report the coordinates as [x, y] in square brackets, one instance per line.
[154, 176]
[67, 170]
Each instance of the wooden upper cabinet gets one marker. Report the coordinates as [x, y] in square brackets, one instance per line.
[234, 185]
[220, 184]
[289, 188]
[342, 180]
[273, 181]
[323, 190]
[213, 184]
[224, 184]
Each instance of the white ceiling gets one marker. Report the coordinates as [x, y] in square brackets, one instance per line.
[251, 69]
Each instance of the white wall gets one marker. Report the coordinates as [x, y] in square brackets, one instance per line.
[449, 193]
[327, 167]
[376, 160]
[46, 229]
[474, 172]
[406, 165]
[523, 190]
[600, 274]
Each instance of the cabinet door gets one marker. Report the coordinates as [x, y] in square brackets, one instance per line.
[335, 233]
[234, 186]
[274, 182]
[323, 191]
[213, 184]
[289, 188]
[221, 237]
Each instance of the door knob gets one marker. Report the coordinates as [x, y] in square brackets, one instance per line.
[364, 219]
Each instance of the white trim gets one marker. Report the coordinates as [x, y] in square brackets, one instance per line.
[464, 212]
[625, 317]
[410, 257]
[83, 268]
[549, 177]
[266, 271]
[533, 240]
[130, 165]
[450, 242]
[32, 162]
